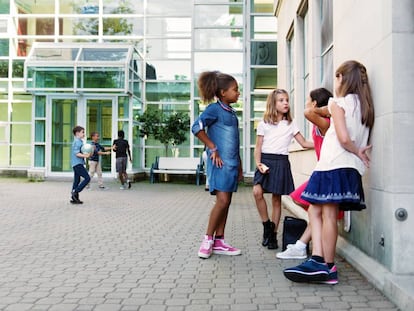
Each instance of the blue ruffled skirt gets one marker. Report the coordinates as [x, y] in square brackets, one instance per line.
[342, 186]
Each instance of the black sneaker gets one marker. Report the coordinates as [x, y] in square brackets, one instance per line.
[129, 184]
[75, 198]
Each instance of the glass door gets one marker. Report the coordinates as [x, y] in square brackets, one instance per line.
[64, 116]
[99, 119]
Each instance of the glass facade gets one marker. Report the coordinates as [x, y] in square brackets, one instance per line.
[64, 63]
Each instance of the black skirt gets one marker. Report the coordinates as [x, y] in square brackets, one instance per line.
[279, 179]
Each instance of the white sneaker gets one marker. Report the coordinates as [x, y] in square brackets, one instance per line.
[292, 252]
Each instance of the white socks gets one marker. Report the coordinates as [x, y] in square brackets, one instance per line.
[300, 245]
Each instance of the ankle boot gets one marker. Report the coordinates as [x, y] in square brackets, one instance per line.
[268, 228]
[272, 241]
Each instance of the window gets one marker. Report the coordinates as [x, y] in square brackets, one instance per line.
[327, 44]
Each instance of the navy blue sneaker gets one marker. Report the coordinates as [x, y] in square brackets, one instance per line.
[332, 277]
[308, 271]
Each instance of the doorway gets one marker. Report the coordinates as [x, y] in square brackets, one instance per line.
[99, 119]
[95, 114]
[64, 118]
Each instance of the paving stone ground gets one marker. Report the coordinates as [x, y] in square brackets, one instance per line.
[137, 250]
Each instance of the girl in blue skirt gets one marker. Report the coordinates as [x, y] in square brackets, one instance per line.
[273, 175]
[336, 182]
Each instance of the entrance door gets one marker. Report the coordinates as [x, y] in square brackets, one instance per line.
[99, 119]
[64, 116]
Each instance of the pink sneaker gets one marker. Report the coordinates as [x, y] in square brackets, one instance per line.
[206, 248]
[222, 248]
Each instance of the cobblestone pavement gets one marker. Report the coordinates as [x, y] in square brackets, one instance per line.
[137, 250]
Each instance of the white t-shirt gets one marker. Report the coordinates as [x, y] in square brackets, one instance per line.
[277, 137]
[333, 155]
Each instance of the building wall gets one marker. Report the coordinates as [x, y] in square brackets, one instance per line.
[380, 34]
[178, 41]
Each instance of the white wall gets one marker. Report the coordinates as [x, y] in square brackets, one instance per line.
[379, 34]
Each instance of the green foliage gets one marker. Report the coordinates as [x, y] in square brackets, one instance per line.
[111, 26]
[168, 128]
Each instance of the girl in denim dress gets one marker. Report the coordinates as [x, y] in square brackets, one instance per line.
[222, 143]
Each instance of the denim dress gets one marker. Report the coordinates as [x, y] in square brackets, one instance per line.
[222, 125]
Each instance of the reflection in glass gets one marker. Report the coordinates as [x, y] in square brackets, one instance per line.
[39, 77]
[102, 78]
[20, 155]
[263, 53]
[262, 6]
[257, 105]
[34, 7]
[4, 68]
[18, 68]
[4, 115]
[39, 156]
[168, 91]
[170, 70]
[22, 112]
[169, 8]
[40, 131]
[230, 62]
[218, 15]
[4, 47]
[40, 106]
[79, 7]
[169, 26]
[168, 48]
[263, 27]
[263, 78]
[123, 7]
[20, 133]
[208, 39]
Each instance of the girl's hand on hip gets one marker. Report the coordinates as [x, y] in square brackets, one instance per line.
[363, 155]
[215, 158]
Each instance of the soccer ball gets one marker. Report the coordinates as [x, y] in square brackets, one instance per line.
[86, 148]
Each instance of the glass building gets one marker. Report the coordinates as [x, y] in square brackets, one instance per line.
[101, 63]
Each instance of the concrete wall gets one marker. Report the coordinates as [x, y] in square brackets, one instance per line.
[380, 34]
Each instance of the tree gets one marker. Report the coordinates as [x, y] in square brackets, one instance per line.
[169, 128]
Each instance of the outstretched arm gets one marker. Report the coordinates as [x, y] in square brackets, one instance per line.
[303, 142]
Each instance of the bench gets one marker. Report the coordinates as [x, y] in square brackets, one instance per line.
[179, 166]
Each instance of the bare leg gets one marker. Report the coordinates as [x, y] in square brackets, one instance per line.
[276, 209]
[306, 236]
[219, 212]
[121, 178]
[329, 231]
[260, 202]
[315, 218]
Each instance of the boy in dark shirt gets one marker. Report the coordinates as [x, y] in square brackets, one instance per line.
[94, 163]
[122, 151]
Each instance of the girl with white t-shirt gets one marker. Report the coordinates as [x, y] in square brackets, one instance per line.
[273, 174]
[336, 182]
